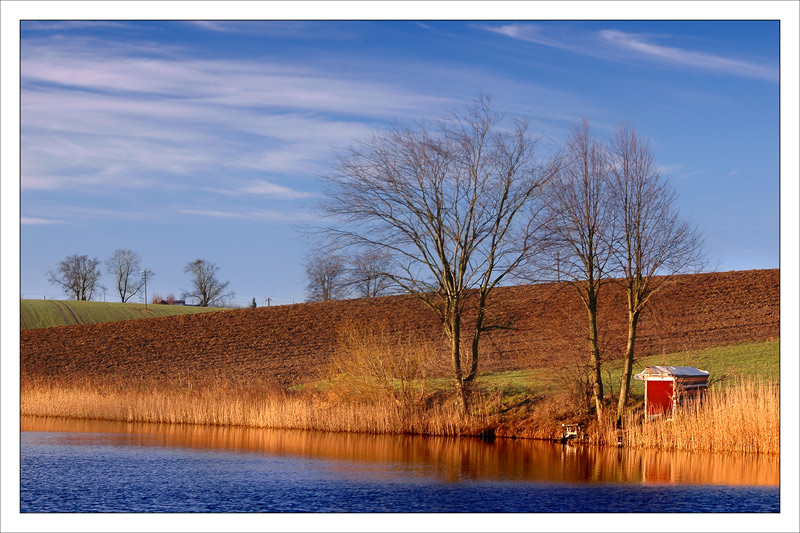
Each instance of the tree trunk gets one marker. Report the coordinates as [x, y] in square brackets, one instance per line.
[476, 336]
[461, 386]
[597, 379]
[454, 332]
[625, 383]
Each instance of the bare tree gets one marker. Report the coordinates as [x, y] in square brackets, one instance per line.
[125, 266]
[206, 288]
[367, 274]
[78, 276]
[581, 228]
[454, 205]
[326, 274]
[654, 242]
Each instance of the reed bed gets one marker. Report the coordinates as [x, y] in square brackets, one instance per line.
[258, 406]
[744, 418]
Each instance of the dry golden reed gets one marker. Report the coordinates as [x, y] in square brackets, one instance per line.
[741, 418]
[256, 405]
[272, 410]
[371, 363]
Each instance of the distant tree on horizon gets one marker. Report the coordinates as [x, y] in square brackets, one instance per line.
[78, 276]
[207, 289]
[326, 275]
[367, 274]
[125, 266]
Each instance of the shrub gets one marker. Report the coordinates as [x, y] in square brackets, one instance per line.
[369, 362]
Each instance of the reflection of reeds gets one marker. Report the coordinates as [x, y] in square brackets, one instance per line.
[742, 418]
[230, 404]
[450, 458]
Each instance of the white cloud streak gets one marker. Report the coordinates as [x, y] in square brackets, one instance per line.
[690, 58]
[262, 215]
[284, 28]
[263, 188]
[32, 221]
[99, 117]
[614, 45]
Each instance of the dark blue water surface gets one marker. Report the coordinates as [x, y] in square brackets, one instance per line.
[104, 472]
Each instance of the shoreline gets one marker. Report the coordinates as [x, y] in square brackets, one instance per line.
[281, 410]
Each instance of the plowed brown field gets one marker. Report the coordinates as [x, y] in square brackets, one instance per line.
[288, 343]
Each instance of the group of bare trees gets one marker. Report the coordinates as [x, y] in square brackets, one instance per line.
[458, 206]
[79, 278]
[614, 217]
[332, 276]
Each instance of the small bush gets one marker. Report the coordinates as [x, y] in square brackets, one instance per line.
[369, 363]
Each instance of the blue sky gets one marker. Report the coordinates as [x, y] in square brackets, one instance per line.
[186, 140]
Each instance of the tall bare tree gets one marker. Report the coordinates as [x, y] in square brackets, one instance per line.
[654, 242]
[455, 205]
[125, 266]
[326, 274]
[581, 228]
[78, 276]
[206, 288]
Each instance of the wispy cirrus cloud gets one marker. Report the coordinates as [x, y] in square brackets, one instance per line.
[263, 188]
[702, 60]
[679, 171]
[98, 117]
[274, 28]
[32, 221]
[261, 215]
[614, 45]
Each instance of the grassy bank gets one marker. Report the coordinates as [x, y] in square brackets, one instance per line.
[377, 390]
[727, 365]
[36, 314]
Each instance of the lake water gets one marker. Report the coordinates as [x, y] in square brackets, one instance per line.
[80, 466]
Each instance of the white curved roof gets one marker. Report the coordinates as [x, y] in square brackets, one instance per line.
[676, 371]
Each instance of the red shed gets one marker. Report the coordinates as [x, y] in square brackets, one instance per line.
[666, 387]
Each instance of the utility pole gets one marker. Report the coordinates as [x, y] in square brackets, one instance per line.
[558, 266]
[268, 300]
[145, 274]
